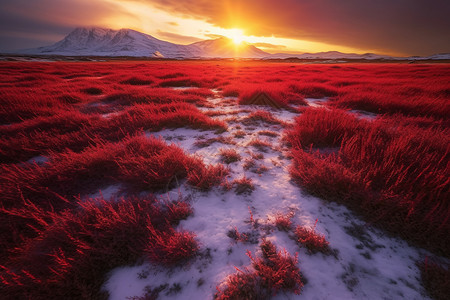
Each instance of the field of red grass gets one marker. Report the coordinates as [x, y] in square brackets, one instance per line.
[89, 126]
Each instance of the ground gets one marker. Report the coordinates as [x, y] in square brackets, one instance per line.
[366, 263]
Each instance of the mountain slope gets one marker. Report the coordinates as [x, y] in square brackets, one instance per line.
[223, 47]
[97, 41]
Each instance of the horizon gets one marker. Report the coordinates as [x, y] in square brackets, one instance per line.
[293, 27]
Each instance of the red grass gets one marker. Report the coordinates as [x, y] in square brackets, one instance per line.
[278, 270]
[435, 279]
[274, 272]
[283, 221]
[74, 250]
[221, 139]
[323, 128]
[205, 177]
[390, 170]
[313, 241]
[261, 145]
[170, 247]
[261, 116]
[243, 185]
[143, 163]
[229, 155]
[393, 170]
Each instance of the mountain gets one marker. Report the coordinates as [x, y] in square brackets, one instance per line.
[96, 41]
[223, 47]
[328, 55]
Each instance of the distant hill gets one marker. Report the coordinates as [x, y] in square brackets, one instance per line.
[97, 41]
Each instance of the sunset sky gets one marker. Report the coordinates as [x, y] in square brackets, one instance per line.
[394, 27]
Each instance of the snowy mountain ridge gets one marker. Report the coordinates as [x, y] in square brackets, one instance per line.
[98, 41]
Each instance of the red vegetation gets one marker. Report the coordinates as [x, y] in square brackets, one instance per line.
[435, 279]
[261, 145]
[74, 250]
[243, 185]
[283, 221]
[273, 272]
[261, 116]
[229, 156]
[280, 94]
[88, 118]
[392, 170]
[313, 241]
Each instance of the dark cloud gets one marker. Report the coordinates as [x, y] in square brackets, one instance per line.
[415, 27]
[26, 24]
[177, 38]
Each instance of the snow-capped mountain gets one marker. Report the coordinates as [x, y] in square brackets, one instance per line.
[95, 41]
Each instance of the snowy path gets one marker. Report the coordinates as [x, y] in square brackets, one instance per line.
[366, 265]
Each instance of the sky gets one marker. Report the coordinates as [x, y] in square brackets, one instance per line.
[393, 27]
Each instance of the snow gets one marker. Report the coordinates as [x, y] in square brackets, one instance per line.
[316, 102]
[38, 160]
[367, 263]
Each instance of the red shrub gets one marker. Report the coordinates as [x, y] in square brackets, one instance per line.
[243, 185]
[312, 240]
[242, 285]
[170, 247]
[278, 270]
[229, 155]
[323, 128]
[205, 177]
[283, 221]
[275, 271]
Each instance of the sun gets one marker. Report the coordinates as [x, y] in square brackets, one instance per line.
[236, 35]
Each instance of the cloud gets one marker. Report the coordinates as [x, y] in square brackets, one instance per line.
[26, 24]
[268, 45]
[401, 26]
[214, 36]
[177, 38]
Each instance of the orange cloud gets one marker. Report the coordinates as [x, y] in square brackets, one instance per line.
[415, 27]
[270, 46]
[177, 38]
